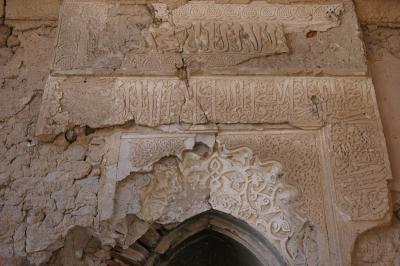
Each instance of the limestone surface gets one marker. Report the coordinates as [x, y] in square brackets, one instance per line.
[257, 111]
[105, 38]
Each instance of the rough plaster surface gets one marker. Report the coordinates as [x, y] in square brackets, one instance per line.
[32, 10]
[382, 12]
[384, 62]
[50, 192]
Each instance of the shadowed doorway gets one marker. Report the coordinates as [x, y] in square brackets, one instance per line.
[210, 248]
[211, 238]
[214, 238]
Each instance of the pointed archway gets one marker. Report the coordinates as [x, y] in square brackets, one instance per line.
[216, 238]
[209, 248]
[210, 238]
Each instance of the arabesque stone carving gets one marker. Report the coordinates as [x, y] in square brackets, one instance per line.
[254, 191]
[233, 182]
[155, 115]
[179, 183]
[260, 111]
[299, 101]
[129, 38]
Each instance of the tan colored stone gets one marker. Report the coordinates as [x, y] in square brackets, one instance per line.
[324, 133]
[298, 101]
[32, 10]
[4, 34]
[379, 247]
[387, 80]
[13, 41]
[169, 194]
[165, 42]
[384, 60]
[380, 12]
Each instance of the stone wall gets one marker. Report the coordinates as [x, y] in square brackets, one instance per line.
[46, 189]
[381, 31]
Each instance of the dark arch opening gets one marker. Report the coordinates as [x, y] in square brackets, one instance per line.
[210, 248]
[214, 238]
[209, 238]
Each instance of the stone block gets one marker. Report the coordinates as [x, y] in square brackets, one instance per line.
[379, 12]
[384, 66]
[102, 102]
[98, 37]
[32, 10]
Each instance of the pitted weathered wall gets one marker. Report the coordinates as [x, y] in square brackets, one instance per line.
[46, 189]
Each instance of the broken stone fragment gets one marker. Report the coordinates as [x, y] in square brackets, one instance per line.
[4, 35]
[13, 41]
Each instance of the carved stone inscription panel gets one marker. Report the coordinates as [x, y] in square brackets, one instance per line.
[298, 101]
[132, 39]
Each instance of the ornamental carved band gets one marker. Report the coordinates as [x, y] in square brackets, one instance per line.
[254, 191]
[128, 39]
[234, 182]
[343, 108]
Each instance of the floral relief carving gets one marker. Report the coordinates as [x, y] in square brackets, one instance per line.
[234, 182]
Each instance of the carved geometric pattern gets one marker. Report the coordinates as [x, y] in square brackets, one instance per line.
[234, 182]
[254, 191]
[359, 169]
[345, 107]
[151, 101]
[128, 39]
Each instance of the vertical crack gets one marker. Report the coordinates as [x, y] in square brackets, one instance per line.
[183, 72]
[3, 15]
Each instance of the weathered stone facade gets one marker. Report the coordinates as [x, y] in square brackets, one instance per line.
[147, 123]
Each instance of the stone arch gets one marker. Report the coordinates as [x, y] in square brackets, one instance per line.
[223, 224]
[172, 239]
[231, 181]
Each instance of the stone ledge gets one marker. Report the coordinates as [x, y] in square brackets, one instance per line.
[103, 102]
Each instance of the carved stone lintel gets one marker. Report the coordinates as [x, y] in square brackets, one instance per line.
[299, 101]
[129, 39]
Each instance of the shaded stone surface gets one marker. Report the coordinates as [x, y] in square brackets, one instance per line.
[298, 101]
[32, 10]
[209, 248]
[102, 38]
[48, 189]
